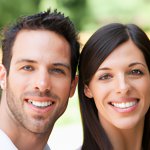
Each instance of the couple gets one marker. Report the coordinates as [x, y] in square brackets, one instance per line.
[39, 60]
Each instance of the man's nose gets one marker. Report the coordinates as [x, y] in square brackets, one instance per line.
[42, 82]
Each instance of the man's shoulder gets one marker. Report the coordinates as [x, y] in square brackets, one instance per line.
[47, 147]
[5, 142]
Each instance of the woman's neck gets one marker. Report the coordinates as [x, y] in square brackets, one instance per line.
[124, 139]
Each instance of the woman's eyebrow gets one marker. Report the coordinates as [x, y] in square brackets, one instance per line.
[104, 68]
[137, 63]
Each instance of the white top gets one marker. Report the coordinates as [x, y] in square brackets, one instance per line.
[7, 144]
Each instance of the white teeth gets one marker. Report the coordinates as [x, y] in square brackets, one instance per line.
[40, 104]
[124, 105]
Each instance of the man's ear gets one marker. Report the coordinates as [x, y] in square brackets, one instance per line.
[87, 92]
[2, 77]
[73, 86]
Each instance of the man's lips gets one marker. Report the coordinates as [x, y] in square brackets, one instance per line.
[40, 102]
[124, 103]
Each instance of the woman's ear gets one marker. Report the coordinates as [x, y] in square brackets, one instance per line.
[2, 77]
[87, 91]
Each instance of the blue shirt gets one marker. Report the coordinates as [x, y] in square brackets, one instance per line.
[7, 144]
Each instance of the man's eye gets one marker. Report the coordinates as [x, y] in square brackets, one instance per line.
[136, 72]
[27, 68]
[105, 77]
[58, 71]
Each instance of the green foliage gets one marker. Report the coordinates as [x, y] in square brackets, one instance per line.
[77, 10]
[12, 9]
[128, 11]
[91, 14]
[86, 14]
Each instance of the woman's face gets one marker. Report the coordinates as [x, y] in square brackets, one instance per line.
[121, 87]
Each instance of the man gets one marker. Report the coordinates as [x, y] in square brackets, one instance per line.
[37, 76]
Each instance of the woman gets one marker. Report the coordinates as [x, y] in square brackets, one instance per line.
[114, 89]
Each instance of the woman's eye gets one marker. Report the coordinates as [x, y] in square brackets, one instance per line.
[136, 72]
[105, 77]
[27, 68]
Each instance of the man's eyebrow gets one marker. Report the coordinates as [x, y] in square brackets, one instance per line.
[136, 63]
[54, 64]
[25, 60]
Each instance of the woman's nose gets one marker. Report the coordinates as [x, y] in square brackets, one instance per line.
[123, 85]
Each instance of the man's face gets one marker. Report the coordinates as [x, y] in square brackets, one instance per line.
[39, 82]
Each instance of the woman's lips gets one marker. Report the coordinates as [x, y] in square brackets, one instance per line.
[125, 105]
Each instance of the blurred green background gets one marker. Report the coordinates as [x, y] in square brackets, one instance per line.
[87, 15]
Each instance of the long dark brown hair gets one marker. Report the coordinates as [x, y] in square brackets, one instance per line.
[95, 51]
